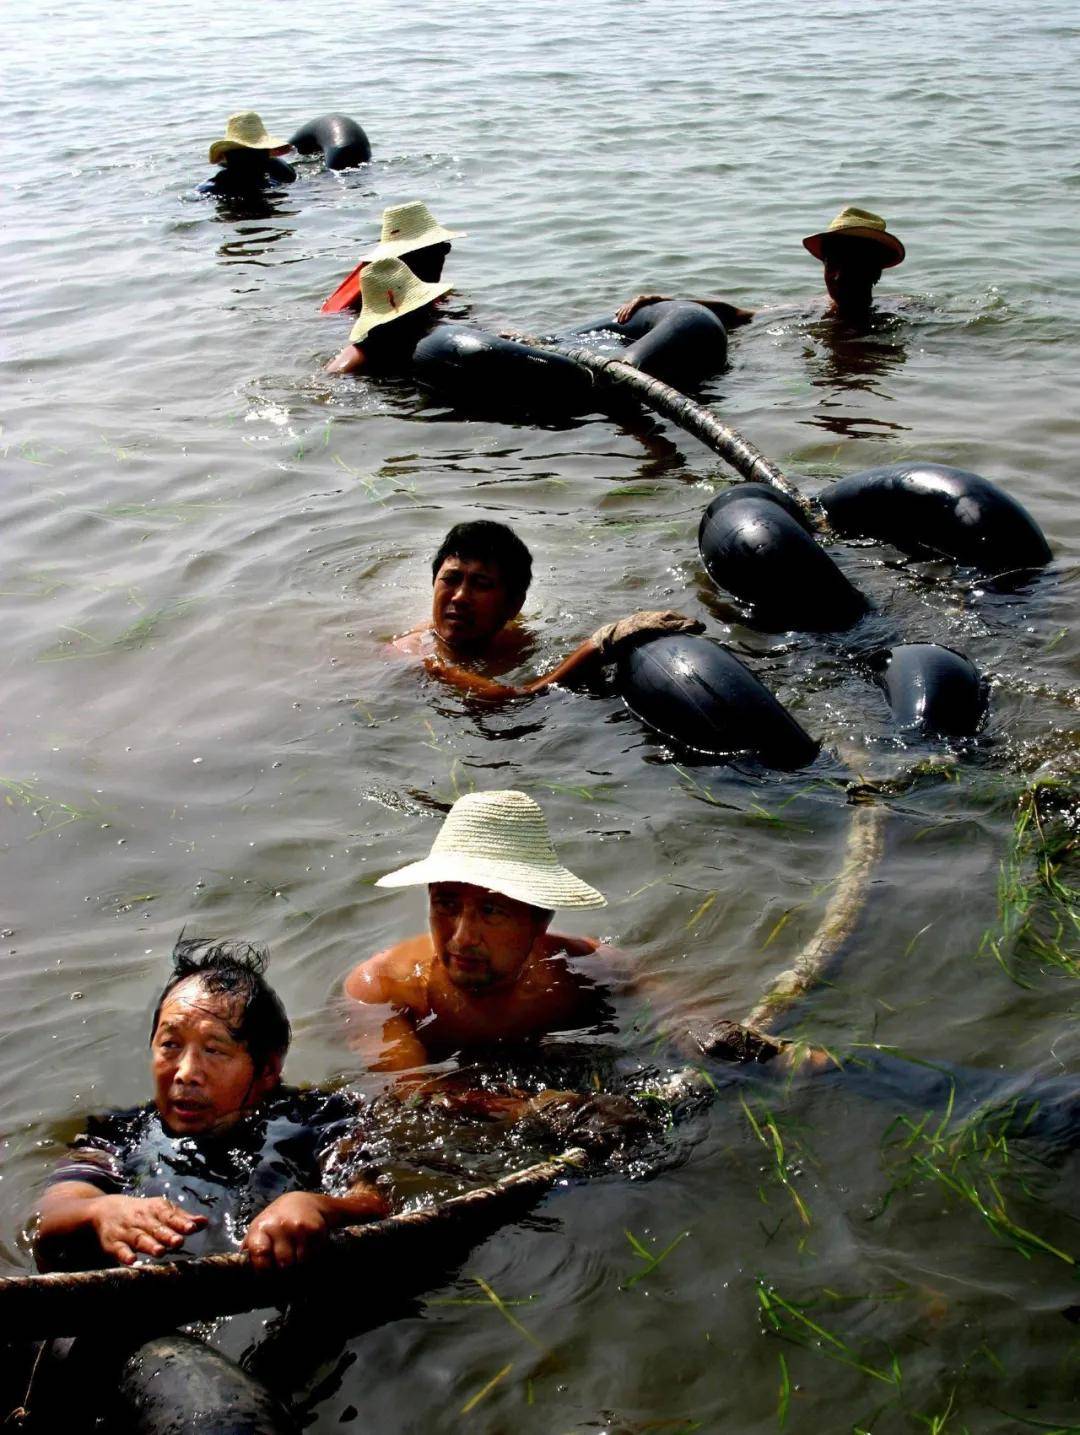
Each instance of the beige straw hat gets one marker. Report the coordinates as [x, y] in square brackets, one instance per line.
[406, 227]
[498, 840]
[859, 224]
[244, 130]
[389, 289]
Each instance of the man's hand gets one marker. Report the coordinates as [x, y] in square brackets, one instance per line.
[629, 309]
[614, 638]
[287, 1231]
[127, 1226]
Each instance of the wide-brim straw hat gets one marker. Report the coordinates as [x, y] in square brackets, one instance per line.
[406, 227]
[500, 841]
[859, 224]
[245, 130]
[388, 290]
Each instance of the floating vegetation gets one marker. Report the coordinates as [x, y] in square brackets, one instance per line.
[486, 1390]
[52, 812]
[378, 489]
[789, 1320]
[1038, 903]
[973, 1161]
[763, 1123]
[651, 1258]
[138, 634]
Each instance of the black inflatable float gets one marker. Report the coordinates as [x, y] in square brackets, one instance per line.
[930, 508]
[341, 140]
[177, 1385]
[755, 544]
[674, 340]
[697, 694]
[931, 690]
[476, 369]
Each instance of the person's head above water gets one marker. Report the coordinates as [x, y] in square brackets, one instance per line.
[854, 249]
[480, 577]
[218, 1038]
[246, 140]
[410, 232]
[494, 880]
[392, 296]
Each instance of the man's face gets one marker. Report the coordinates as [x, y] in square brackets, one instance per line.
[481, 938]
[470, 603]
[852, 268]
[204, 1079]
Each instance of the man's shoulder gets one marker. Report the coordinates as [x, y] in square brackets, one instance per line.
[396, 975]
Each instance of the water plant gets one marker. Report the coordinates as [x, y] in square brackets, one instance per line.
[976, 1162]
[1038, 904]
[765, 1125]
[651, 1258]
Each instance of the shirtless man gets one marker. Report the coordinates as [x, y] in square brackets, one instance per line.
[854, 250]
[488, 969]
[480, 577]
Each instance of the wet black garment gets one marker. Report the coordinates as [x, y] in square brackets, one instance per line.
[294, 1141]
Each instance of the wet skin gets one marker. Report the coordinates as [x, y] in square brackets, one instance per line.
[487, 971]
[204, 1078]
[470, 604]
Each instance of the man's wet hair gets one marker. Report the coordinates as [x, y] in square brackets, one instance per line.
[484, 541]
[234, 970]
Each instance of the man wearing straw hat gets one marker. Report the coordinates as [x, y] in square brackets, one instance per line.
[247, 156]
[487, 970]
[397, 310]
[409, 231]
[854, 250]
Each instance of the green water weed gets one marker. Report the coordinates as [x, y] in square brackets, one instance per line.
[976, 1163]
[764, 1124]
[52, 812]
[789, 1319]
[652, 1259]
[1038, 923]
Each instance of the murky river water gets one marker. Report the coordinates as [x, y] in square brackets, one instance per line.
[205, 543]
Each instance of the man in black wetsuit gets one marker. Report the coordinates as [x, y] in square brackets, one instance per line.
[248, 158]
[225, 1155]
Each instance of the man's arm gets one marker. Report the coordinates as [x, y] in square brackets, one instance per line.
[123, 1226]
[381, 1031]
[295, 1225]
[729, 314]
[606, 645]
[348, 361]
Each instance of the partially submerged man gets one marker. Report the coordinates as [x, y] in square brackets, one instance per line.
[409, 232]
[247, 155]
[488, 969]
[854, 251]
[480, 577]
[225, 1155]
[396, 310]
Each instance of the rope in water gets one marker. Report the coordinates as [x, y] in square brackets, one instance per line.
[160, 1297]
[747, 461]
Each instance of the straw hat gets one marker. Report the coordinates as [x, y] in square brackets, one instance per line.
[244, 130]
[859, 224]
[406, 227]
[389, 289]
[498, 840]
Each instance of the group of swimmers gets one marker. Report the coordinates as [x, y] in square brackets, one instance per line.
[226, 1155]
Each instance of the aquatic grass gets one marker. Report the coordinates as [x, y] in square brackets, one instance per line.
[971, 1161]
[504, 1310]
[1038, 905]
[52, 812]
[764, 1125]
[485, 1390]
[789, 1320]
[379, 490]
[136, 635]
[652, 1259]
